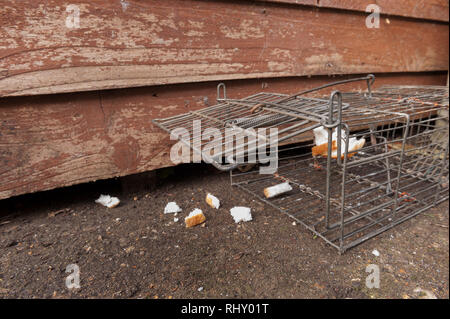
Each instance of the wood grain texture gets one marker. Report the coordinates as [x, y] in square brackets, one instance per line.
[59, 140]
[166, 42]
[421, 9]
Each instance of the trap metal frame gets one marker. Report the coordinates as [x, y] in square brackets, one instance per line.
[401, 171]
[291, 115]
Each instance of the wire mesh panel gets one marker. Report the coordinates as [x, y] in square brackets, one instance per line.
[401, 170]
[289, 116]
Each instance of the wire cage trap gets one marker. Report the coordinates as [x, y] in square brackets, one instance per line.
[383, 157]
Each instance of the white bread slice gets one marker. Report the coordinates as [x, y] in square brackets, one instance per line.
[212, 201]
[195, 217]
[276, 190]
[108, 201]
[241, 214]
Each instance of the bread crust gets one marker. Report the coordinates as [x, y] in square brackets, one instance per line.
[195, 220]
[322, 149]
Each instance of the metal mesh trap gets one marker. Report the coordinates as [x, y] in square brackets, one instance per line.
[343, 194]
[291, 116]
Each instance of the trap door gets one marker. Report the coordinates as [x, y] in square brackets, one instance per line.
[229, 133]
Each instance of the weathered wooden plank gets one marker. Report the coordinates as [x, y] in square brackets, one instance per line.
[140, 43]
[59, 140]
[422, 9]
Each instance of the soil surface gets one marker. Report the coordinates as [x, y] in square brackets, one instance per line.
[135, 251]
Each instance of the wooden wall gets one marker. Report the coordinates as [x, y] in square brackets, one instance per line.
[76, 104]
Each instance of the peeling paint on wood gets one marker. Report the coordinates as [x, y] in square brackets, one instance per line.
[138, 43]
[422, 9]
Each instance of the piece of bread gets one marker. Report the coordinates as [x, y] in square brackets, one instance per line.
[172, 208]
[195, 217]
[241, 214]
[212, 201]
[354, 145]
[108, 201]
[322, 149]
[276, 190]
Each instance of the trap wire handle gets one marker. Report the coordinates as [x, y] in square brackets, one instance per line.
[224, 89]
[332, 123]
[370, 79]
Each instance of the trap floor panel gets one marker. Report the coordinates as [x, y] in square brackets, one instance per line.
[370, 206]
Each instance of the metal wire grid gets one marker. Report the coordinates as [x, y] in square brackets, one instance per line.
[263, 110]
[424, 94]
[398, 174]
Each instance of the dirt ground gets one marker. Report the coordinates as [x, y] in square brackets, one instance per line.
[135, 251]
